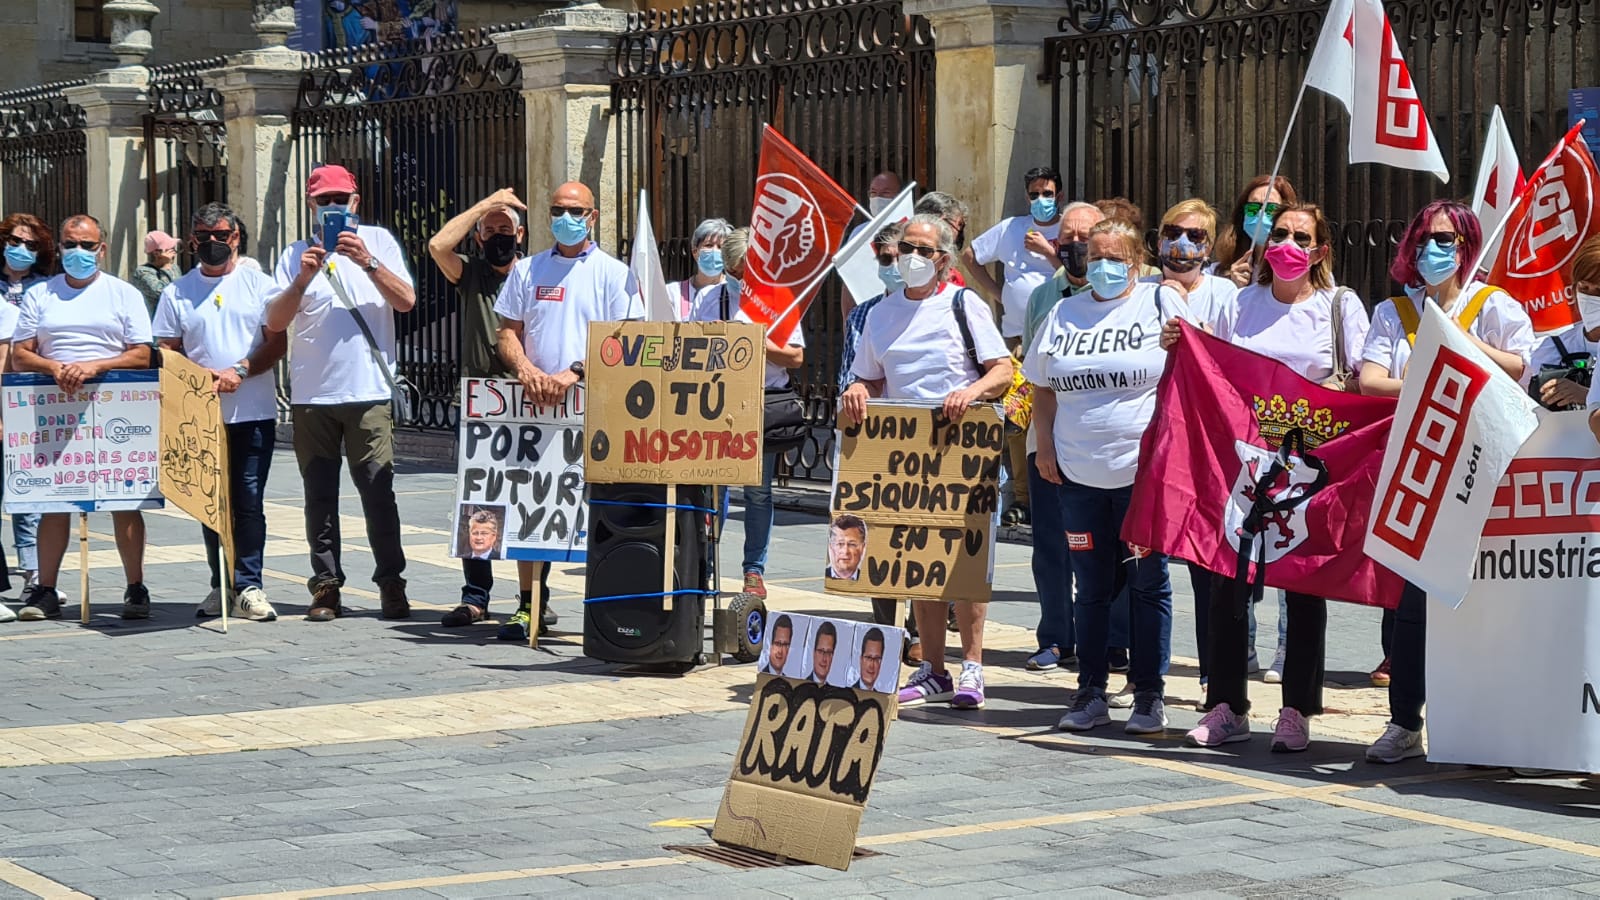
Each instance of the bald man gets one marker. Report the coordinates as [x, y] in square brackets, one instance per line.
[545, 309]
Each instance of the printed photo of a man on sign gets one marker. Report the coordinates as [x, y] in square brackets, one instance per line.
[847, 547]
[780, 637]
[481, 532]
[874, 645]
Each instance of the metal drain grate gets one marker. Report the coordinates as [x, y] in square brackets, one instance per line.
[743, 858]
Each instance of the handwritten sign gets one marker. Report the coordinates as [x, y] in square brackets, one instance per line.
[915, 505]
[684, 403]
[93, 449]
[194, 447]
[520, 470]
[812, 740]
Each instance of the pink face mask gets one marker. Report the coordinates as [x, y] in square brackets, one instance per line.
[1289, 261]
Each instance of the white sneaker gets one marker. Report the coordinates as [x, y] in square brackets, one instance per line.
[1275, 671]
[253, 605]
[6, 615]
[1395, 744]
[211, 606]
[1122, 699]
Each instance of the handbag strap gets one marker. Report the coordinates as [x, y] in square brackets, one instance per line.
[960, 309]
[366, 330]
[1339, 353]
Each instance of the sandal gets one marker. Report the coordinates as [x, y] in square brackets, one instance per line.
[463, 615]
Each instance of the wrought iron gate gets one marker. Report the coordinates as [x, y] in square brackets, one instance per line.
[1158, 100]
[43, 161]
[850, 82]
[185, 149]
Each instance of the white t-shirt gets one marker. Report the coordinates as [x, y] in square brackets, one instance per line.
[1212, 301]
[556, 297]
[330, 360]
[219, 321]
[706, 306]
[1103, 360]
[915, 346]
[1299, 335]
[1501, 324]
[8, 320]
[1025, 270]
[98, 321]
[1547, 354]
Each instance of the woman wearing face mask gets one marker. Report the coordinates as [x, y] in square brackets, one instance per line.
[1095, 362]
[1252, 218]
[1433, 262]
[710, 276]
[30, 257]
[912, 348]
[1289, 316]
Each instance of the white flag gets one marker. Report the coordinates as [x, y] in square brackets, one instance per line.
[1460, 421]
[855, 262]
[1499, 179]
[1358, 62]
[659, 306]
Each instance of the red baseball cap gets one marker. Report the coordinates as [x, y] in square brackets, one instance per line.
[330, 179]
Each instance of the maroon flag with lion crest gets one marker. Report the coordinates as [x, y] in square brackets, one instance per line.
[1242, 445]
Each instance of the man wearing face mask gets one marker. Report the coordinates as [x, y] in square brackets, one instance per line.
[213, 315]
[341, 300]
[885, 186]
[495, 223]
[75, 328]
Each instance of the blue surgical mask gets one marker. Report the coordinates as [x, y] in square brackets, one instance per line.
[890, 276]
[710, 262]
[1108, 277]
[1043, 209]
[1436, 264]
[21, 258]
[1258, 227]
[80, 263]
[568, 231]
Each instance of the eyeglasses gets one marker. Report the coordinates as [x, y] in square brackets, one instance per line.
[14, 241]
[1270, 210]
[821, 652]
[331, 199]
[907, 248]
[577, 212]
[220, 237]
[780, 643]
[876, 659]
[84, 245]
[1445, 238]
[1279, 235]
[1173, 232]
[1034, 195]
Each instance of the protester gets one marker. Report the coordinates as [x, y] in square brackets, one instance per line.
[8, 326]
[714, 297]
[341, 301]
[495, 224]
[954, 214]
[1434, 263]
[881, 191]
[1123, 209]
[1239, 245]
[1586, 285]
[76, 327]
[1563, 352]
[1095, 362]
[912, 348]
[1025, 248]
[734, 247]
[30, 259]
[1296, 315]
[160, 267]
[213, 314]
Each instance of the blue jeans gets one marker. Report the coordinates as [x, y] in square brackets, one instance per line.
[25, 533]
[249, 457]
[1099, 570]
[1052, 574]
[758, 517]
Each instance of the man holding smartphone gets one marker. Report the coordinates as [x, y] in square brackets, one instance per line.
[340, 290]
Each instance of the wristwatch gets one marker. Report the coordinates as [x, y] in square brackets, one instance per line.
[372, 264]
[577, 369]
[242, 370]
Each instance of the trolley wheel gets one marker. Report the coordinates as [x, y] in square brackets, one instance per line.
[750, 613]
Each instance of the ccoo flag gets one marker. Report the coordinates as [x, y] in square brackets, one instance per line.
[1358, 62]
[855, 262]
[1500, 179]
[1222, 416]
[659, 306]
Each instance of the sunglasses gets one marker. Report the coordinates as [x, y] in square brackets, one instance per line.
[220, 237]
[1197, 235]
[907, 248]
[1034, 195]
[1279, 235]
[331, 199]
[577, 212]
[1445, 238]
[1271, 210]
[14, 241]
[80, 245]
[886, 259]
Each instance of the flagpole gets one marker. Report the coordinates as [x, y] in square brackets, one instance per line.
[1272, 180]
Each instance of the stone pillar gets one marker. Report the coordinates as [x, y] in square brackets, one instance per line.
[258, 89]
[991, 112]
[566, 88]
[114, 104]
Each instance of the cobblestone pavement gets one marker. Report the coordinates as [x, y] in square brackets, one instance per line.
[297, 759]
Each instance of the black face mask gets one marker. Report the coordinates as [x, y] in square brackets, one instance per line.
[1074, 255]
[213, 253]
[500, 249]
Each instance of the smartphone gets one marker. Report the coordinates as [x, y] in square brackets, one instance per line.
[335, 223]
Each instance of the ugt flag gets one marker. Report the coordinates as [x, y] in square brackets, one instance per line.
[1500, 179]
[1460, 421]
[1550, 220]
[796, 226]
[1358, 62]
[1222, 413]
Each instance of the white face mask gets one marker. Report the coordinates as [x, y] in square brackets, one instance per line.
[1589, 308]
[876, 204]
[915, 270]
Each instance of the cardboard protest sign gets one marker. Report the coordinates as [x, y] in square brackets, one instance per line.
[520, 473]
[916, 502]
[93, 449]
[683, 403]
[812, 742]
[194, 447]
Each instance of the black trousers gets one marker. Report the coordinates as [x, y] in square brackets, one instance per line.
[1408, 684]
[1304, 658]
[479, 575]
[883, 614]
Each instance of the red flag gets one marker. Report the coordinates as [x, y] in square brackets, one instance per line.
[1551, 218]
[1221, 414]
[796, 227]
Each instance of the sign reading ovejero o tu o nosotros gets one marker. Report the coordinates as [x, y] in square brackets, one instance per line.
[674, 403]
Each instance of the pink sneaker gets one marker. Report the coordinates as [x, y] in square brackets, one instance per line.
[1292, 734]
[926, 687]
[1219, 726]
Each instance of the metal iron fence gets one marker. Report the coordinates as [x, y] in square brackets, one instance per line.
[43, 162]
[850, 82]
[185, 148]
[428, 128]
[1158, 100]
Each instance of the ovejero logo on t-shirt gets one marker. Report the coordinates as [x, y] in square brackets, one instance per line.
[121, 431]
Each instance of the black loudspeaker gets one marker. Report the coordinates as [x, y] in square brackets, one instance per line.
[626, 533]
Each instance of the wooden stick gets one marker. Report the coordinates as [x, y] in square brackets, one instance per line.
[83, 566]
[536, 612]
[227, 580]
[668, 540]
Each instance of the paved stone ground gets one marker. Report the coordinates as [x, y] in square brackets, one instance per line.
[295, 759]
